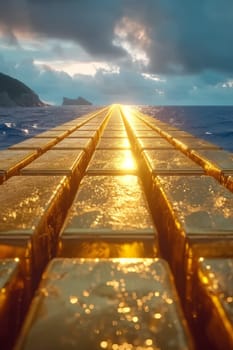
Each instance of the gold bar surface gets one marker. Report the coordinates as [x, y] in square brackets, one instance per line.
[113, 143]
[150, 143]
[40, 144]
[12, 160]
[214, 304]
[146, 190]
[169, 161]
[106, 304]
[195, 215]
[74, 143]
[10, 301]
[55, 162]
[112, 162]
[33, 209]
[109, 209]
[60, 134]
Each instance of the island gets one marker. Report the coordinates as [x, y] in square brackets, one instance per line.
[75, 101]
[14, 93]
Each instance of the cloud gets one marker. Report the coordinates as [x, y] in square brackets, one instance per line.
[90, 24]
[187, 36]
[154, 52]
[175, 37]
[124, 86]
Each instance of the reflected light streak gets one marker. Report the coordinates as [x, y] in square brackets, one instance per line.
[128, 162]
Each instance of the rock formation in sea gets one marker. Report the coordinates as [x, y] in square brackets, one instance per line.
[14, 93]
[75, 101]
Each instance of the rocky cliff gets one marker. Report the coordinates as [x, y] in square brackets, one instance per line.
[75, 101]
[14, 93]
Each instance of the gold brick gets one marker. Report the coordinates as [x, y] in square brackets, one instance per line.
[112, 162]
[170, 162]
[89, 127]
[193, 143]
[32, 212]
[75, 143]
[60, 134]
[85, 133]
[177, 133]
[150, 143]
[214, 293]
[10, 301]
[113, 143]
[56, 162]
[114, 127]
[107, 304]
[65, 127]
[194, 213]
[114, 134]
[215, 162]
[109, 210]
[12, 160]
[146, 134]
[161, 125]
[140, 127]
[40, 144]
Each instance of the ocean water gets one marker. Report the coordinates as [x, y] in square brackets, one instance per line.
[212, 123]
[18, 124]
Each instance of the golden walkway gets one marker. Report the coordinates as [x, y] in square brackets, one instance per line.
[130, 221]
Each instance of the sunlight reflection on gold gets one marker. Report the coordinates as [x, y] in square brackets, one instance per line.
[127, 111]
[128, 162]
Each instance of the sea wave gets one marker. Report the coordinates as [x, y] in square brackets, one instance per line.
[18, 124]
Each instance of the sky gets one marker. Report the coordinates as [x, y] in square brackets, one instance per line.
[157, 52]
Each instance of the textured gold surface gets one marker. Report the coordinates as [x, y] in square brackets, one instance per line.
[110, 218]
[109, 206]
[114, 127]
[60, 134]
[74, 143]
[85, 133]
[177, 133]
[104, 246]
[25, 200]
[140, 126]
[89, 127]
[12, 160]
[56, 162]
[215, 300]
[32, 211]
[113, 143]
[114, 134]
[40, 144]
[112, 161]
[221, 159]
[10, 302]
[193, 143]
[64, 127]
[170, 162]
[216, 275]
[113, 304]
[146, 134]
[196, 218]
[156, 143]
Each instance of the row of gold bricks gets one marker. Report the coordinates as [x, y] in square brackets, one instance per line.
[116, 232]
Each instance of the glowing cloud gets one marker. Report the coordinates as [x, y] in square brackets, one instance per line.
[132, 37]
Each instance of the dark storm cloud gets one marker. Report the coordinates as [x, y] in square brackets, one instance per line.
[89, 23]
[185, 36]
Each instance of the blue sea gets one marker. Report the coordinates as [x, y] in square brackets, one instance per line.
[212, 123]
